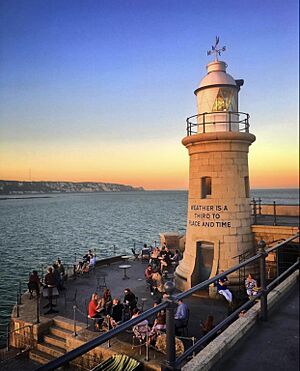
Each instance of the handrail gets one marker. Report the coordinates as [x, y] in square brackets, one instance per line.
[168, 304]
[203, 120]
[14, 330]
[282, 243]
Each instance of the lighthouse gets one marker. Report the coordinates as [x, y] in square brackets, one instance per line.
[219, 212]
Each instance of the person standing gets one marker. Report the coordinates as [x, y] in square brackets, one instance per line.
[181, 315]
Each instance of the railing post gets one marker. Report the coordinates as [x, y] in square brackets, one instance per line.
[254, 210]
[170, 327]
[8, 337]
[259, 206]
[247, 126]
[262, 268]
[17, 306]
[74, 321]
[274, 211]
[38, 309]
[203, 122]
[20, 292]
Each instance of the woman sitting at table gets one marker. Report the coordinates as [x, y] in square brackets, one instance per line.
[107, 299]
[116, 315]
[251, 286]
[96, 309]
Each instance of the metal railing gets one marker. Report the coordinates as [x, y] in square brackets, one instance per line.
[214, 121]
[272, 210]
[170, 304]
[27, 343]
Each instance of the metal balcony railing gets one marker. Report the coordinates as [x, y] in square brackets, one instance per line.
[218, 121]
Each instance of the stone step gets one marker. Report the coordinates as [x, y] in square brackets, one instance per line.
[55, 340]
[67, 323]
[40, 357]
[60, 332]
[51, 349]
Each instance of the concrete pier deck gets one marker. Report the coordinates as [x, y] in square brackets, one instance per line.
[272, 345]
[200, 306]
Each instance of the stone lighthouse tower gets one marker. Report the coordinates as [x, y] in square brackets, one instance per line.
[219, 213]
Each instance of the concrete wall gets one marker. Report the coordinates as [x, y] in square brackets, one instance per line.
[281, 210]
[271, 234]
[216, 349]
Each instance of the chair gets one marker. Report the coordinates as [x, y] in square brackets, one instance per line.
[135, 254]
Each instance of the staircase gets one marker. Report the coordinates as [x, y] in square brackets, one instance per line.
[54, 343]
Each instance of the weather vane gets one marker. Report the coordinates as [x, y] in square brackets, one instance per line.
[215, 49]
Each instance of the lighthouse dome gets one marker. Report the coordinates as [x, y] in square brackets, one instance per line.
[216, 75]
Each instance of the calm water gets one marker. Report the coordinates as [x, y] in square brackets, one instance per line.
[35, 232]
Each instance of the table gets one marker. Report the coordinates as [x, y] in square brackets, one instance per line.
[126, 257]
[125, 266]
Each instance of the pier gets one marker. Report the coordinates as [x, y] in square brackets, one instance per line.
[68, 334]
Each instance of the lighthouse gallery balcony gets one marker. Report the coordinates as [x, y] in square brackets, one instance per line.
[208, 122]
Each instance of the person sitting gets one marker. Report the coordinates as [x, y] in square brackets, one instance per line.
[175, 259]
[251, 286]
[157, 283]
[222, 288]
[165, 259]
[181, 315]
[140, 330]
[130, 299]
[116, 314]
[107, 298]
[148, 276]
[145, 253]
[159, 323]
[95, 310]
[154, 261]
[34, 284]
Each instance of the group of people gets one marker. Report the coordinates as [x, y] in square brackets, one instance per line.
[88, 262]
[160, 260]
[55, 277]
[103, 306]
[250, 286]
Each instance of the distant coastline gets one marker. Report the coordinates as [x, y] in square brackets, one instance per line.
[13, 187]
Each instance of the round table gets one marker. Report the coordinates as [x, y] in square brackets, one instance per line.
[126, 257]
[125, 266]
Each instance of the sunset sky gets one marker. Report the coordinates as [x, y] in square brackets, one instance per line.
[100, 90]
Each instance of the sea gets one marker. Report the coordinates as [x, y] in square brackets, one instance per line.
[37, 230]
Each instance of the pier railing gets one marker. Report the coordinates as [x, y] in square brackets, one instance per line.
[273, 211]
[217, 121]
[173, 363]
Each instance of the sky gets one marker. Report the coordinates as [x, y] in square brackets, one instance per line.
[100, 90]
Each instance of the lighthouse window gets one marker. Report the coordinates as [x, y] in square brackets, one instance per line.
[205, 187]
[224, 101]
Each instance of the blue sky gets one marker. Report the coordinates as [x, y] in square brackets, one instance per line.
[111, 73]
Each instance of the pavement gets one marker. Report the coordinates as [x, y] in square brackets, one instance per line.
[271, 345]
[200, 306]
